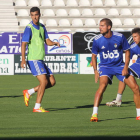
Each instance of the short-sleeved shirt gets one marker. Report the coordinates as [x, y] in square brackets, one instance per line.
[135, 49]
[27, 35]
[110, 49]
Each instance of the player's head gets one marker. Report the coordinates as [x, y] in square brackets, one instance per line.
[136, 35]
[105, 26]
[35, 14]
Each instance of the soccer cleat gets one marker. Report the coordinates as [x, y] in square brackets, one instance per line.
[94, 118]
[40, 110]
[138, 118]
[114, 103]
[26, 97]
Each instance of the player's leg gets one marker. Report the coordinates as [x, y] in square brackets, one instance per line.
[43, 83]
[118, 100]
[102, 86]
[98, 97]
[27, 93]
[51, 83]
[136, 72]
[131, 82]
[40, 92]
[135, 69]
[46, 81]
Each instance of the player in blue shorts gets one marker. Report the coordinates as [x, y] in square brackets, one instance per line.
[111, 45]
[135, 69]
[34, 36]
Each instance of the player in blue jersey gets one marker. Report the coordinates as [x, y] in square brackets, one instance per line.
[111, 45]
[135, 68]
[35, 35]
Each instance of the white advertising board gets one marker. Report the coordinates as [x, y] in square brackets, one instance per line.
[86, 64]
[65, 41]
[7, 64]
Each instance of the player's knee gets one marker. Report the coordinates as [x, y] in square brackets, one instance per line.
[53, 83]
[44, 82]
[103, 86]
[135, 88]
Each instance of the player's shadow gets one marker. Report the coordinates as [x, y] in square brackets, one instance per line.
[85, 106]
[76, 107]
[15, 96]
[115, 119]
[127, 102]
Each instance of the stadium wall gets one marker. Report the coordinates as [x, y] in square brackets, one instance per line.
[73, 57]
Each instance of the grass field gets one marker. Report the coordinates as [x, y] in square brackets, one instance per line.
[70, 104]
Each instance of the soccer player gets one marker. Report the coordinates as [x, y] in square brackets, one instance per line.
[35, 35]
[135, 69]
[110, 45]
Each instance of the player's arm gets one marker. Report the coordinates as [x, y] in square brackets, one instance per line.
[23, 49]
[94, 63]
[51, 43]
[126, 49]
[25, 39]
[127, 59]
[48, 41]
[94, 59]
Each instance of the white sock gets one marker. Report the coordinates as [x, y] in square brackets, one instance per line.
[31, 91]
[95, 110]
[119, 97]
[138, 111]
[37, 105]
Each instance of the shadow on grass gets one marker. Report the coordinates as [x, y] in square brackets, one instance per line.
[78, 138]
[84, 106]
[127, 102]
[11, 96]
[77, 107]
[115, 119]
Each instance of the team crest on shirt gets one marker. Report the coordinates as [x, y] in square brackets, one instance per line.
[115, 45]
[103, 47]
[42, 69]
[100, 72]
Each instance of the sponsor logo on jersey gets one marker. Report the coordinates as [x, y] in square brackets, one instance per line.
[111, 55]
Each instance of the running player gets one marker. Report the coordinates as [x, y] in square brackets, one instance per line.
[34, 36]
[110, 45]
[135, 68]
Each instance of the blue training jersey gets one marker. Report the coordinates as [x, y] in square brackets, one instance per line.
[27, 35]
[110, 49]
[135, 49]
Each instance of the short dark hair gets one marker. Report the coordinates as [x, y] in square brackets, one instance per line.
[33, 9]
[108, 21]
[136, 30]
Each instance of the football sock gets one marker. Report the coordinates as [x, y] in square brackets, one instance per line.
[95, 110]
[37, 105]
[119, 97]
[138, 111]
[31, 91]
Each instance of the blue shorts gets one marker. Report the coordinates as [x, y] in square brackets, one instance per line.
[135, 69]
[111, 71]
[38, 67]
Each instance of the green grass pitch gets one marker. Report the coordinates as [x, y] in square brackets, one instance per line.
[70, 103]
